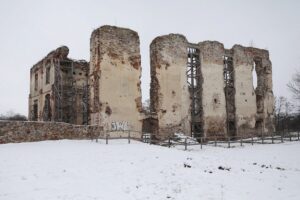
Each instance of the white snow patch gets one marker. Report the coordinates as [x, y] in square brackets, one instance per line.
[83, 170]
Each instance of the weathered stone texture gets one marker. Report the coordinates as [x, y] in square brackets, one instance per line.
[114, 102]
[213, 96]
[253, 104]
[237, 104]
[114, 79]
[169, 89]
[17, 131]
[44, 86]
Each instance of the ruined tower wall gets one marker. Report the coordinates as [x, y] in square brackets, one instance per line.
[45, 89]
[38, 93]
[245, 97]
[169, 89]
[114, 79]
[228, 100]
[213, 97]
[253, 105]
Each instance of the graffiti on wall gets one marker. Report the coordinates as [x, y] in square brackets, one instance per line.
[120, 126]
[97, 119]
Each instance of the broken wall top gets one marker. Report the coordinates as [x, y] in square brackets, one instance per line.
[210, 49]
[60, 53]
[118, 43]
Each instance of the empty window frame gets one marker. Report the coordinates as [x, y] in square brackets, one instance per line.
[48, 74]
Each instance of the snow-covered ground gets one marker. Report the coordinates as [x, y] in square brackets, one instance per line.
[83, 170]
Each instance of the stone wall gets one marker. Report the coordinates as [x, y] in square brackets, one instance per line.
[226, 104]
[19, 131]
[57, 83]
[254, 106]
[169, 93]
[213, 96]
[114, 79]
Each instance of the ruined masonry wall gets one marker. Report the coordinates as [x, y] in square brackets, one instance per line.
[170, 98]
[114, 79]
[43, 89]
[213, 96]
[79, 75]
[246, 100]
[17, 131]
[169, 93]
[245, 96]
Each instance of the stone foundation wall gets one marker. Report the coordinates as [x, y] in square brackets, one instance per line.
[17, 131]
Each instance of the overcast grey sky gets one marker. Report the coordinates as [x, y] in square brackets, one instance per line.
[31, 29]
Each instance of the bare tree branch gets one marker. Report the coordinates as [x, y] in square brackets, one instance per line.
[294, 87]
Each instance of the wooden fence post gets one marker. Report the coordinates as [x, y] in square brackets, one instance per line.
[262, 135]
[106, 139]
[228, 141]
[169, 142]
[272, 137]
[298, 135]
[95, 138]
[290, 136]
[201, 142]
[185, 144]
[215, 141]
[241, 141]
[92, 136]
[129, 137]
[281, 137]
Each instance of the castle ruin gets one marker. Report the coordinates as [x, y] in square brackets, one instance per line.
[199, 89]
[206, 90]
[59, 89]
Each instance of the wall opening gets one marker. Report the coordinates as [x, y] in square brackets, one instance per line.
[259, 93]
[35, 111]
[194, 79]
[47, 109]
[259, 126]
[229, 90]
[259, 89]
[85, 105]
[254, 76]
[47, 74]
[36, 78]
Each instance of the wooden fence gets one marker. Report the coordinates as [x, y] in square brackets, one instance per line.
[200, 141]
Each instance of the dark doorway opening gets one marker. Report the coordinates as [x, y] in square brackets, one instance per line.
[35, 111]
[47, 109]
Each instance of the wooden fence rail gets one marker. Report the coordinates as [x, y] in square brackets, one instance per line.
[201, 141]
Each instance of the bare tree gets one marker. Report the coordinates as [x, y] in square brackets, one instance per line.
[294, 87]
[10, 115]
[279, 109]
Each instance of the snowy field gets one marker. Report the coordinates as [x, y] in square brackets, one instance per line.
[84, 170]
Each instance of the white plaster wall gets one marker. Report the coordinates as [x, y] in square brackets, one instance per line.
[170, 55]
[113, 50]
[212, 67]
[245, 97]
